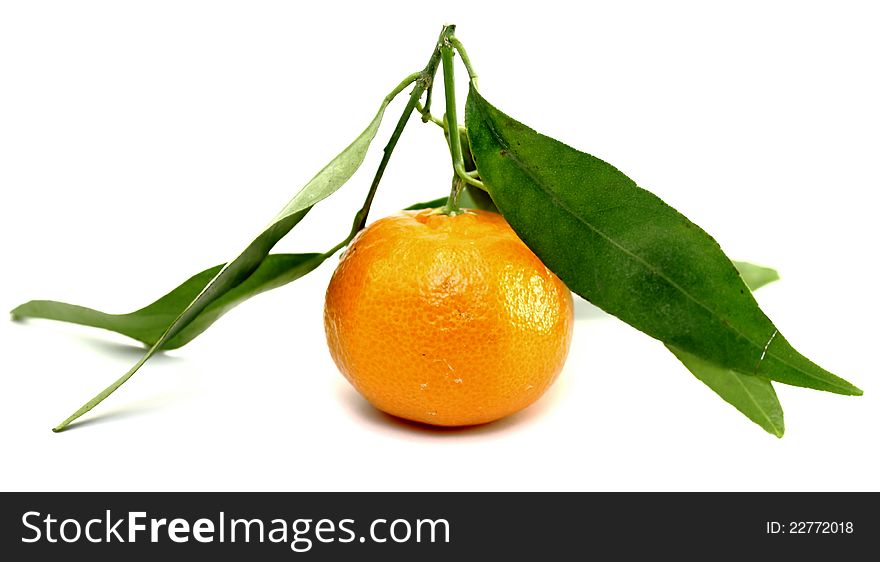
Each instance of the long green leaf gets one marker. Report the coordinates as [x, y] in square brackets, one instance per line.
[752, 395]
[327, 181]
[149, 323]
[622, 248]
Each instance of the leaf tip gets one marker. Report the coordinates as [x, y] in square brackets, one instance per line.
[16, 313]
[772, 276]
[63, 425]
[847, 388]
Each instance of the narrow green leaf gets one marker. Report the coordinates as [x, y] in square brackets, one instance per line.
[751, 395]
[234, 273]
[149, 323]
[623, 249]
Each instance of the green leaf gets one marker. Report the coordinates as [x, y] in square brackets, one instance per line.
[475, 198]
[623, 249]
[751, 395]
[237, 271]
[149, 323]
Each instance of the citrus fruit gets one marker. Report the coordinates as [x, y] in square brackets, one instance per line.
[446, 320]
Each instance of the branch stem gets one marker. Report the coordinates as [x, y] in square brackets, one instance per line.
[423, 83]
[446, 54]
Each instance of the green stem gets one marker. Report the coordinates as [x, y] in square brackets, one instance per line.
[360, 219]
[426, 110]
[423, 83]
[427, 116]
[465, 59]
[446, 54]
[402, 86]
[452, 208]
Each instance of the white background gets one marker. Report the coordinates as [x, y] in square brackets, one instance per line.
[142, 142]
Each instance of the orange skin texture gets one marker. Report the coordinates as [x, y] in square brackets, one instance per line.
[446, 320]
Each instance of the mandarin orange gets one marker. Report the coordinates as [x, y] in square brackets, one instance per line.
[446, 320]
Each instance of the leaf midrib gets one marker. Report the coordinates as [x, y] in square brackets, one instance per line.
[511, 154]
